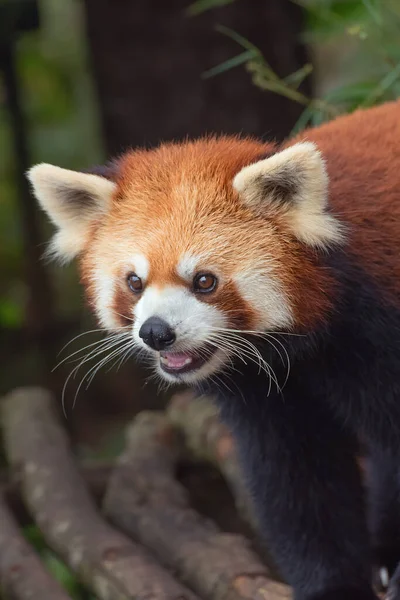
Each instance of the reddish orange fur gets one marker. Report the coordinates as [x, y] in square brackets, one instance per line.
[185, 189]
[362, 151]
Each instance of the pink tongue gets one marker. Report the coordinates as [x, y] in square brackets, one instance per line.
[177, 361]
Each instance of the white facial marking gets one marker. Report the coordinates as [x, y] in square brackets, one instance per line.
[105, 295]
[141, 266]
[186, 266]
[266, 296]
[192, 320]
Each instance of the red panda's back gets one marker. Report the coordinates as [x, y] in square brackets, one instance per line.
[362, 151]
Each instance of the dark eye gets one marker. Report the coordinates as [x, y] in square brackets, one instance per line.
[205, 283]
[135, 283]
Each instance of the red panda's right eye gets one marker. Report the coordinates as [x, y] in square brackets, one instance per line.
[135, 283]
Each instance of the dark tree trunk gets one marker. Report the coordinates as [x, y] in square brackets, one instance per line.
[149, 56]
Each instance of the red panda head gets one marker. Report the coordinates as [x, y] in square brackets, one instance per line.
[191, 245]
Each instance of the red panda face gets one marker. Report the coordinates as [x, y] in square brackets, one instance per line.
[196, 272]
[195, 245]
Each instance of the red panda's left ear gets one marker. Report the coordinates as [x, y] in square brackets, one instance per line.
[73, 201]
[294, 185]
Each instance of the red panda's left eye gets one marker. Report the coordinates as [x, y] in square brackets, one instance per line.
[204, 283]
[135, 283]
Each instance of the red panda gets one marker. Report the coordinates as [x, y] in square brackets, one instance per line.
[269, 275]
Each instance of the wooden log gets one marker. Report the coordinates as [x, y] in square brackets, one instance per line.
[95, 476]
[145, 500]
[22, 575]
[104, 559]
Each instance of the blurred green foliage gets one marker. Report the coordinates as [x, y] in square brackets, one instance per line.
[62, 127]
[365, 34]
[62, 118]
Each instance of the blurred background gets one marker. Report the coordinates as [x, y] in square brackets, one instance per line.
[82, 80]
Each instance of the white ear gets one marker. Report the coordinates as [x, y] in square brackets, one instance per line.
[294, 184]
[73, 201]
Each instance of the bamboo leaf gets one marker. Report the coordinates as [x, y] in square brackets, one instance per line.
[350, 93]
[302, 121]
[261, 68]
[229, 64]
[317, 118]
[295, 79]
[239, 39]
[384, 85]
[258, 61]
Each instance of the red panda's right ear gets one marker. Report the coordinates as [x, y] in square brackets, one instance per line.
[293, 184]
[73, 201]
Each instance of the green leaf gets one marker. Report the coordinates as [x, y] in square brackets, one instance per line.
[302, 121]
[63, 575]
[317, 118]
[295, 79]
[257, 59]
[60, 571]
[384, 85]
[229, 64]
[350, 93]
[54, 565]
[329, 19]
[239, 39]
[374, 10]
[197, 8]
[34, 536]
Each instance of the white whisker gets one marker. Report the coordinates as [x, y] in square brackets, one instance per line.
[102, 346]
[99, 329]
[99, 344]
[232, 341]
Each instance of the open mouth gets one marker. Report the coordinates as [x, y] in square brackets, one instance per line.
[184, 362]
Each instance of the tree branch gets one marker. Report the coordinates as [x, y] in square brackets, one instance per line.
[104, 559]
[95, 476]
[22, 575]
[145, 500]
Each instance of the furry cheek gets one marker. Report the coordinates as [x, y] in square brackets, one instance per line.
[235, 306]
[122, 306]
[112, 300]
[104, 296]
[265, 295]
[108, 291]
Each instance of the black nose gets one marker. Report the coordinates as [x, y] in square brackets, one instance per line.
[156, 333]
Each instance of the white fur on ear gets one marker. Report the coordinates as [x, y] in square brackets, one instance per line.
[293, 183]
[73, 201]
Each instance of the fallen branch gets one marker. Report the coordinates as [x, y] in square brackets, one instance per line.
[95, 477]
[145, 500]
[22, 575]
[104, 559]
[207, 438]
